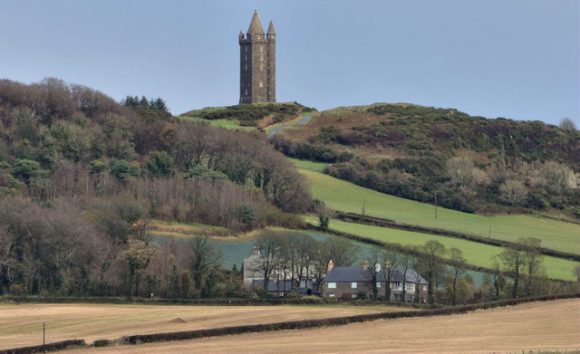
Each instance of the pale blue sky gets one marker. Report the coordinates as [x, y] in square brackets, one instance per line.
[510, 58]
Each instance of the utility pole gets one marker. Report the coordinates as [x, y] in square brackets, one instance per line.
[43, 333]
[435, 205]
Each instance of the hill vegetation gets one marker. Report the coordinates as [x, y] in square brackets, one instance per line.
[422, 153]
[80, 174]
[254, 115]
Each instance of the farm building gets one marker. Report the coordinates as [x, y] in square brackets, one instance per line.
[353, 281]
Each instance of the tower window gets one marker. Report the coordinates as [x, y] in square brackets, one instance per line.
[261, 84]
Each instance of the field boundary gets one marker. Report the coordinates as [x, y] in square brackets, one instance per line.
[375, 221]
[409, 250]
[233, 301]
[279, 326]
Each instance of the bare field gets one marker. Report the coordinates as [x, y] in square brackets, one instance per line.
[537, 327]
[21, 325]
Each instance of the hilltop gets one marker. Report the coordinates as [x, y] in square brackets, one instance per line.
[471, 163]
[258, 115]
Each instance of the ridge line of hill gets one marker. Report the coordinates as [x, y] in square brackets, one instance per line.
[391, 224]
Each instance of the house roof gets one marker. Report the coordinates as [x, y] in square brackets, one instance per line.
[356, 273]
[273, 285]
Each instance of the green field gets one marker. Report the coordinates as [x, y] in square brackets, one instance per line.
[233, 124]
[475, 253]
[344, 196]
[309, 165]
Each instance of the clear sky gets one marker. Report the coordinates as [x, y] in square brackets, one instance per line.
[508, 58]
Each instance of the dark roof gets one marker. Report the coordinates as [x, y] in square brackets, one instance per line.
[356, 273]
[273, 285]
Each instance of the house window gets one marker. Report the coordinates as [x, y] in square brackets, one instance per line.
[353, 285]
[332, 285]
[378, 284]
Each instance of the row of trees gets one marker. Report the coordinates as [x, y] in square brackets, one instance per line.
[516, 272]
[299, 257]
[103, 249]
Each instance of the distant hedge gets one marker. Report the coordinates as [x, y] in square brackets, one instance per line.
[51, 347]
[335, 321]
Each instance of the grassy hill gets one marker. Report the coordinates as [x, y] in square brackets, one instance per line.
[344, 196]
[472, 163]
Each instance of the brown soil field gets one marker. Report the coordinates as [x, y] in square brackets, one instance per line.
[21, 324]
[538, 327]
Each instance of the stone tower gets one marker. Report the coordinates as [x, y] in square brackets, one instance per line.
[258, 63]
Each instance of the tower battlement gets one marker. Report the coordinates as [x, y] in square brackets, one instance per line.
[257, 63]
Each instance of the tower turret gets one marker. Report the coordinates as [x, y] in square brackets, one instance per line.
[258, 63]
[271, 30]
[255, 28]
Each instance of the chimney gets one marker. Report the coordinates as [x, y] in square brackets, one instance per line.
[330, 266]
[366, 265]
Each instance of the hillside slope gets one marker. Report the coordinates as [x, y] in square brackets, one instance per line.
[344, 196]
[471, 163]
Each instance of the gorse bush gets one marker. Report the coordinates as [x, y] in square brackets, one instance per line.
[248, 114]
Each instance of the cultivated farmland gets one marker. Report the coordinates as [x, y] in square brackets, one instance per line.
[344, 196]
[21, 325]
[538, 327]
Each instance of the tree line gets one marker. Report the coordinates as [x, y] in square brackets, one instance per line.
[517, 272]
[102, 249]
[50, 124]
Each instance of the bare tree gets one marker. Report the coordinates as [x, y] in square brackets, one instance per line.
[532, 261]
[373, 268]
[457, 263]
[464, 175]
[498, 278]
[567, 124]
[431, 264]
[405, 262]
[391, 258]
[513, 262]
[205, 258]
[268, 244]
[513, 192]
[137, 255]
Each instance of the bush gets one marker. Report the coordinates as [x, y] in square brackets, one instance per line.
[17, 290]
